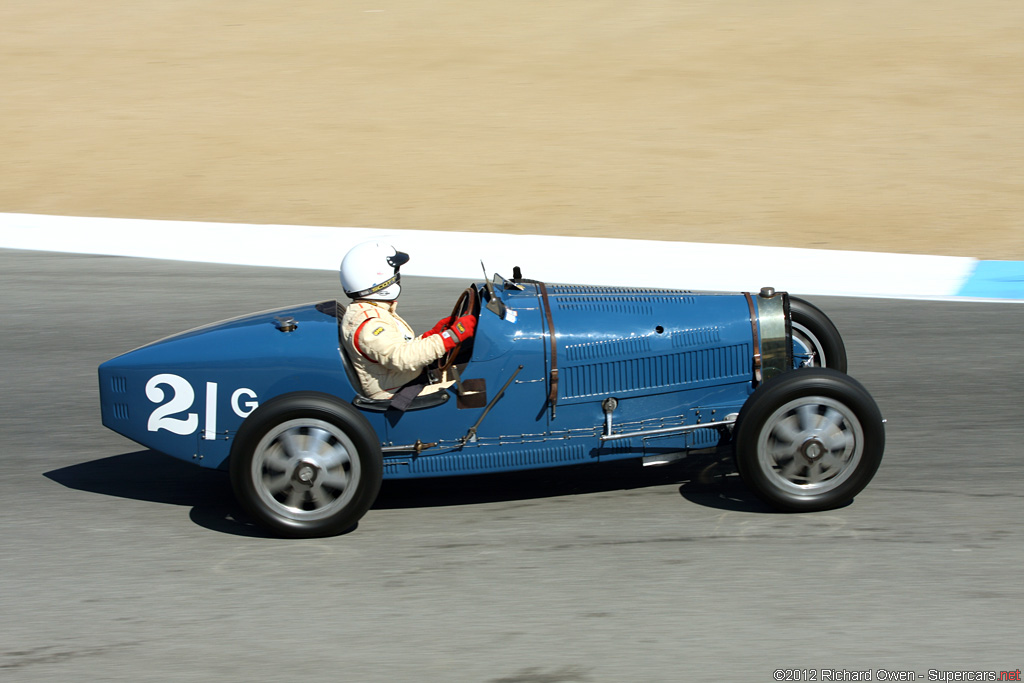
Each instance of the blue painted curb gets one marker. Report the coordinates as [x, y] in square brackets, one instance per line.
[995, 280]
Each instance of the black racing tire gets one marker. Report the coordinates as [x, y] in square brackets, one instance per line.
[306, 465]
[813, 332]
[809, 440]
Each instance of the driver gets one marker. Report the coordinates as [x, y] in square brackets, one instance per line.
[385, 351]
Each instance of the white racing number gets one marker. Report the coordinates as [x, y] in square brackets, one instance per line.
[183, 396]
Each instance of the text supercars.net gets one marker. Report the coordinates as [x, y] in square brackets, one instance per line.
[814, 675]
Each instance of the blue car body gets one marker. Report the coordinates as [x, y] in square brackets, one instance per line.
[671, 359]
[555, 375]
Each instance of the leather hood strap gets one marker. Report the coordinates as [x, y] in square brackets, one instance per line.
[553, 377]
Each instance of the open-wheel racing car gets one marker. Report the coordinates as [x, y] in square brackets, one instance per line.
[556, 375]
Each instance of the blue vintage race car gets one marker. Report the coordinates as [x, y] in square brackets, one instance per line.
[555, 375]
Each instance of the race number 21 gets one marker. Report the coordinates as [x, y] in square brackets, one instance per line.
[172, 412]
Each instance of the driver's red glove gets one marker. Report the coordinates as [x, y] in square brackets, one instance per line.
[461, 330]
[438, 328]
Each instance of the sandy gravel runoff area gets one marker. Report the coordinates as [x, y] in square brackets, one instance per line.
[891, 125]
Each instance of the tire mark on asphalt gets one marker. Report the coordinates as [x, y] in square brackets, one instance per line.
[52, 654]
[566, 674]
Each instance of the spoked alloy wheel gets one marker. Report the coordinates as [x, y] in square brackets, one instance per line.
[306, 465]
[305, 470]
[810, 445]
[816, 341]
[809, 440]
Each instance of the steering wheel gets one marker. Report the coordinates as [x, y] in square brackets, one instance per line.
[466, 304]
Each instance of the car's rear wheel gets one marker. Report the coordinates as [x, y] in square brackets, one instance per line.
[816, 341]
[809, 440]
[306, 465]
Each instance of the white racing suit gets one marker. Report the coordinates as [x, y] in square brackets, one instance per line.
[383, 348]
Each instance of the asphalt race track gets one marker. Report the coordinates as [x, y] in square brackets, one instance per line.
[119, 564]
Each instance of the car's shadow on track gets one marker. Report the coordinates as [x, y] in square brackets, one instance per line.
[153, 477]
[707, 479]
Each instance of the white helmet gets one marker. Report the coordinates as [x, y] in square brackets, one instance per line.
[370, 271]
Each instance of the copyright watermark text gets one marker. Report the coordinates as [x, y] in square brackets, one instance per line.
[815, 675]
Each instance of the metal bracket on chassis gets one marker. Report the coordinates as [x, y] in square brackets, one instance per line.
[416, 448]
[727, 423]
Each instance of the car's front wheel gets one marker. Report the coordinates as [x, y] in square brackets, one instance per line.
[306, 465]
[809, 440]
[816, 341]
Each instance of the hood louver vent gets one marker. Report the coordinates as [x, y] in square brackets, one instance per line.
[600, 300]
[619, 292]
[654, 372]
[614, 348]
[703, 336]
